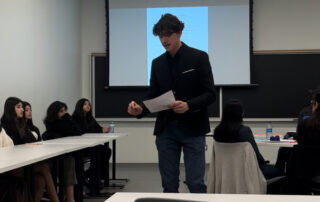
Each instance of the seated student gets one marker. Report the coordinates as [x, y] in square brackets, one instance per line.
[309, 129]
[307, 111]
[303, 169]
[284, 153]
[82, 115]
[59, 124]
[231, 130]
[15, 125]
[28, 118]
[36, 133]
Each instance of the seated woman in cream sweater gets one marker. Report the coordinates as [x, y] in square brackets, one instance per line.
[231, 130]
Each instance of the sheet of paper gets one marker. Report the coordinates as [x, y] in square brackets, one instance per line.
[160, 103]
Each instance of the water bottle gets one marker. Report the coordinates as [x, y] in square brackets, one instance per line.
[268, 130]
[111, 130]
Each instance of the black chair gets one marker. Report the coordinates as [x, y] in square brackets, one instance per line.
[303, 171]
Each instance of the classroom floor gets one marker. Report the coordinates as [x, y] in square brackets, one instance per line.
[142, 178]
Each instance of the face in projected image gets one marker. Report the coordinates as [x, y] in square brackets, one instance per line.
[62, 112]
[171, 42]
[28, 112]
[86, 107]
[19, 110]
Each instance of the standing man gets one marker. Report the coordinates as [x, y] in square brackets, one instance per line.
[187, 72]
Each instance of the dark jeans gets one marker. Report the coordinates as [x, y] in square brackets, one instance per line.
[284, 154]
[170, 143]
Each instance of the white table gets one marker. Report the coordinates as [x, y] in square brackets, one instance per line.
[88, 139]
[281, 143]
[109, 136]
[130, 197]
[26, 154]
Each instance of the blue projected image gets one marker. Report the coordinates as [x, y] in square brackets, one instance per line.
[195, 33]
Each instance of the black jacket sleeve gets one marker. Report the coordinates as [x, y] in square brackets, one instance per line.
[28, 136]
[13, 133]
[91, 127]
[95, 127]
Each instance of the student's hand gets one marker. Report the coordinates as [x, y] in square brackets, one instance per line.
[179, 107]
[134, 109]
[105, 129]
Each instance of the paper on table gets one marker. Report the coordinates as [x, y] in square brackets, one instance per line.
[160, 103]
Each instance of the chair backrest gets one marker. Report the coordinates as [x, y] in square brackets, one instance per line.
[304, 162]
[234, 169]
[303, 169]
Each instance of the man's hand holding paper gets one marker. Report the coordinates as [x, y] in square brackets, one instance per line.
[179, 107]
[161, 102]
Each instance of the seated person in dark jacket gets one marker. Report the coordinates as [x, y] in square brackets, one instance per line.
[14, 123]
[82, 116]
[309, 130]
[59, 124]
[284, 153]
[306, 112]
[231, 130]
[304, 163]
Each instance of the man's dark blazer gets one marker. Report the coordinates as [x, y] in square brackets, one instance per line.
[193, 84]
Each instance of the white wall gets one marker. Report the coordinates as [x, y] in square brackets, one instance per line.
[40, 53]
[286, 24]
[93, 37]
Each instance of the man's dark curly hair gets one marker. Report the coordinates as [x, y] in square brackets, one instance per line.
[167, 25]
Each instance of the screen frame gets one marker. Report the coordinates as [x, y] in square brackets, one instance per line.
[108, 87]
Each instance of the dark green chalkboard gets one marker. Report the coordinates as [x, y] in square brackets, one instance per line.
[284, 81]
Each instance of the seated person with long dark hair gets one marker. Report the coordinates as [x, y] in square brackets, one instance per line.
[309, 129]
[59, 124]
[284, 153]
[231, 130]
[303, 165]
[17, 129]
[27, 115]
[306, 112]
[82, 115]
